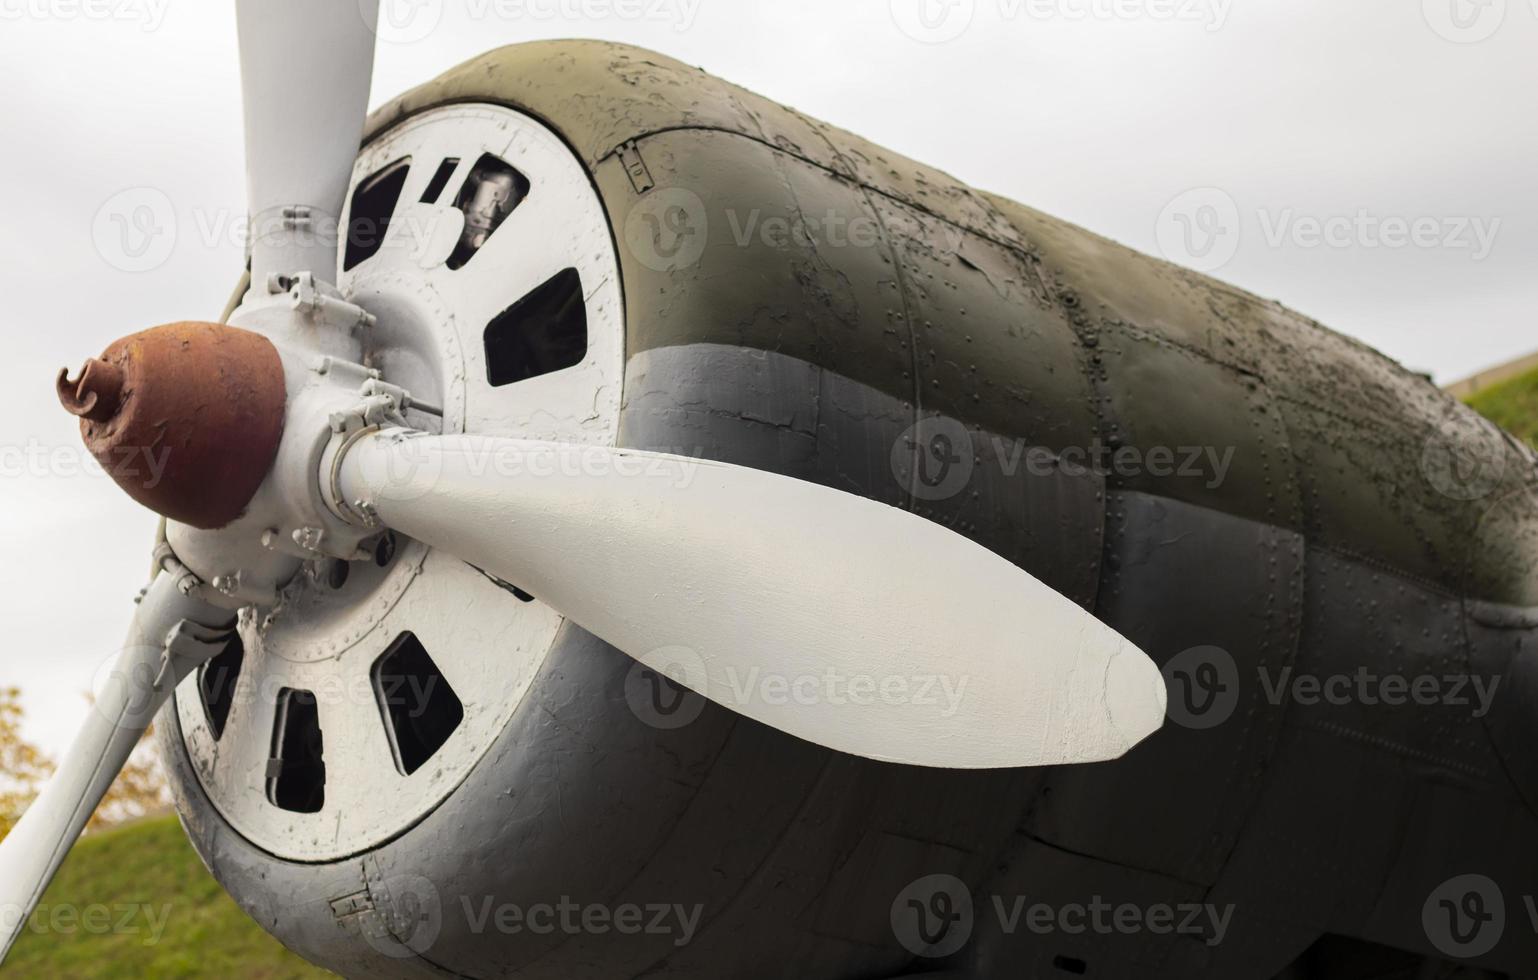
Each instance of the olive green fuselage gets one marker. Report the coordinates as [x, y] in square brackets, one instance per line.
[1291, 522]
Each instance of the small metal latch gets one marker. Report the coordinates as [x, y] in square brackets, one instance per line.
[630, 159]
[353, 904]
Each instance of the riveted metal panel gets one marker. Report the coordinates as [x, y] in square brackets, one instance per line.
[1238, 583]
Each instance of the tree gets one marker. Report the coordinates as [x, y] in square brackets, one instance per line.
[139, 790]
[23, 769]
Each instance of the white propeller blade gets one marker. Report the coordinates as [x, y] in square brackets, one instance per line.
[305, 69]
[129, 697]
[835, 618]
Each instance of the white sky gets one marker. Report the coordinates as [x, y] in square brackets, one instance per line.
[1103, 112]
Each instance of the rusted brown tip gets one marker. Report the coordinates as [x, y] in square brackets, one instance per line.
[185, 417]
[95, 394]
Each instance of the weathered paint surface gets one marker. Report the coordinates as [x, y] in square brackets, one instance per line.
[1338, 536]
[190, 420]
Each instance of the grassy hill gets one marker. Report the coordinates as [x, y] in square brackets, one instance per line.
[1513, 404]
[136, 902]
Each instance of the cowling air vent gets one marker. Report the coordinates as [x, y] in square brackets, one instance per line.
[489, 195]
[296, 775]
[216, 684]
[373, 205]
[440, 180]
[543, 332]
[419, 707]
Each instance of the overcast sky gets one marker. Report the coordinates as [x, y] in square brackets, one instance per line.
[1371, 163]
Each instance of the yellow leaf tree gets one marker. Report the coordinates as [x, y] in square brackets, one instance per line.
[138, 791]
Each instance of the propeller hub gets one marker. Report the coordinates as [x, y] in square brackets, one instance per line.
[185, 417]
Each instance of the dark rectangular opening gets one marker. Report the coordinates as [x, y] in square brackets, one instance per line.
[296, 777]
[420, 709]
[543, 332]
[216, 684]
[373, 205]
[440, 180]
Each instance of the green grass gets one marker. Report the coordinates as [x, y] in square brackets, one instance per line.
[191, 929]
[1512, 404]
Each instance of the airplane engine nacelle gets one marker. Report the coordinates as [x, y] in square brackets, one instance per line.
[587, 242]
